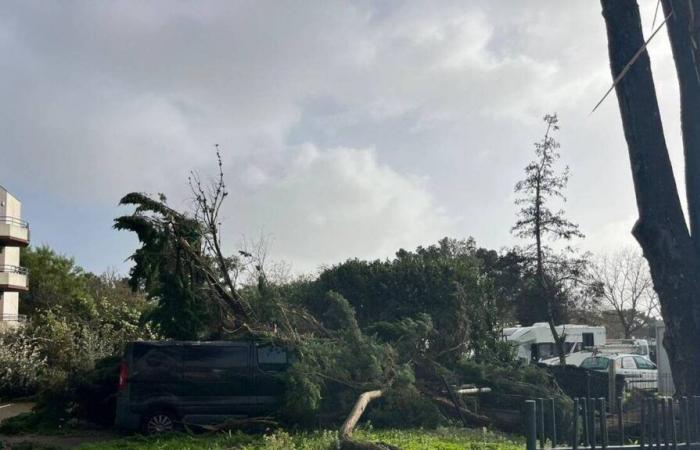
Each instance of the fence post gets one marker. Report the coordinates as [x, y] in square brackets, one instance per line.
[603, 423]
[664, 418]
[656, 419]
[543, 436]
[612, 395]
[620, 421]
[686, 421]
[696, 404]
[554, 422]
[643, 430]
[586, 431]
[531, 424]
[574, 432]
[672, 414]
[588, 384]
[591, 427]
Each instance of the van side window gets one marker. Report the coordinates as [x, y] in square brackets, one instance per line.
[587, 339]
[155, 363]
[272, 358]
[215, 364]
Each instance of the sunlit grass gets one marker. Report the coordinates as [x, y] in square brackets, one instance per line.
[441, 439]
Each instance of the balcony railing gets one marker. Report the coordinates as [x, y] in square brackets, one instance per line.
[14, 269]
[13, 318]
[14, 221]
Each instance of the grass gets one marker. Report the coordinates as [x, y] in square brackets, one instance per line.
[440, 439]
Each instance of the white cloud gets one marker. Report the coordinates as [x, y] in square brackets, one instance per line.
[104, 98]
[336, 204]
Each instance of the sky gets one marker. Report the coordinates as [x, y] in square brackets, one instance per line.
[347, 129]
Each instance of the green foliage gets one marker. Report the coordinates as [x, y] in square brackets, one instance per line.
[55, 281]
[552, 275]
[443, 287]
[512, 384]
[76, 321]
[165, 266]
[329, 373]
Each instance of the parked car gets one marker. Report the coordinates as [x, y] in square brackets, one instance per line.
[639, 371]
[162, 384]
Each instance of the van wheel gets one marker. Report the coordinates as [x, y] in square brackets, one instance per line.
[159, 422]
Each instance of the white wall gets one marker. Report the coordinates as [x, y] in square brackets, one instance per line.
[663, 365]
[9, 301]
[9, 206]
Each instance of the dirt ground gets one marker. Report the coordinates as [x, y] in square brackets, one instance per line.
[53, 442]
[8, 410]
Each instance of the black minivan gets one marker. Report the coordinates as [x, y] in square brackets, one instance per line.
[162, 383]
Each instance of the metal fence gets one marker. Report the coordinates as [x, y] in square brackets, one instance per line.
[14, 269]
[14, 221]
[659, 422]
[13, 318]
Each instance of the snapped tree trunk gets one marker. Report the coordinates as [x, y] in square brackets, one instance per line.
[349, 425]
[661, 229]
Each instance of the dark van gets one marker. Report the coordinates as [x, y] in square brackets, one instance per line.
[165, 383]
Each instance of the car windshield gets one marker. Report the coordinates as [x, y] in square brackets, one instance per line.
[596, 363]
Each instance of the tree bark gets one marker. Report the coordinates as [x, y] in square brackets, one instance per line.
[682, 25]
[349, 425]
[661, 229]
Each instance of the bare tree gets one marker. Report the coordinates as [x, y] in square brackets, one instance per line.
[621, 282]
[671, 246]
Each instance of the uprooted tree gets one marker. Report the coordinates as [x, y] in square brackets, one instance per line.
[404, 327]
[671, 247]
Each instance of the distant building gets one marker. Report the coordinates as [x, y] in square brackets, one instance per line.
[14, 234]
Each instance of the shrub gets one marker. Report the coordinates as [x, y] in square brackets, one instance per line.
[21, 363]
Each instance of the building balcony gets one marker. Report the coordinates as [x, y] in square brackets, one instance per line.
[13, 279]
[13, 318]
[13, 232]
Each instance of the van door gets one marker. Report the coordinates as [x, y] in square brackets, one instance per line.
[272, 361]
[219, 379]
[154, 376]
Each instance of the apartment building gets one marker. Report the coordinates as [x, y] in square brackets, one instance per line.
[14, 234]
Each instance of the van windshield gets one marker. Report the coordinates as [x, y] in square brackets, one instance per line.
[596, 363]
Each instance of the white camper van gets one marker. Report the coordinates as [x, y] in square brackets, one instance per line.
[536, 343]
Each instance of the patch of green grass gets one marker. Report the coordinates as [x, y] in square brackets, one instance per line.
[440, 439]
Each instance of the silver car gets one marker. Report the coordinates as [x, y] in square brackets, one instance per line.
[639, 371]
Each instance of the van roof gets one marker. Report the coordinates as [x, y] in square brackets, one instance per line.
[193, 343]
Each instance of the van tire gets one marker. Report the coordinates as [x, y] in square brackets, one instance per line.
[159, 422]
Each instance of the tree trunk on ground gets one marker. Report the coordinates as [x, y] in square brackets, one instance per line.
[661, 229]
[473, 419]
[349, 425]
[346, 442]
